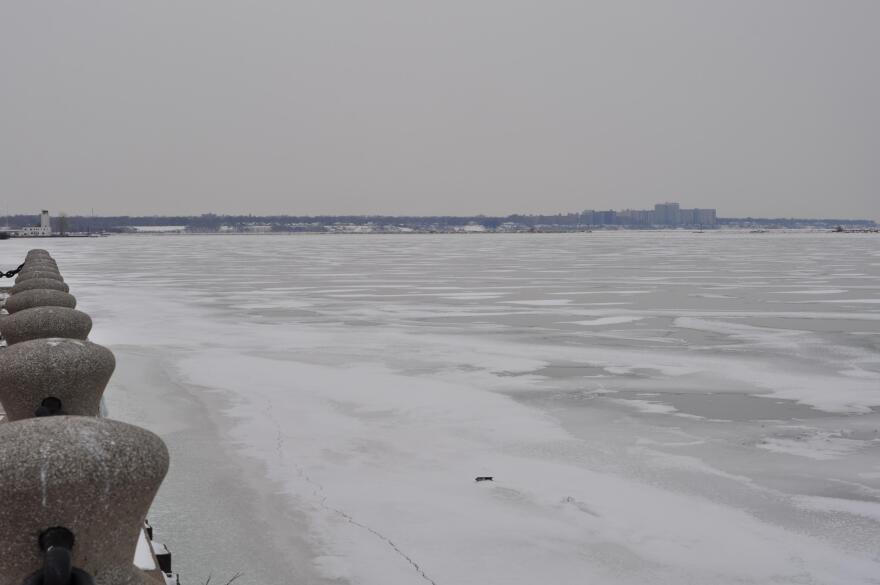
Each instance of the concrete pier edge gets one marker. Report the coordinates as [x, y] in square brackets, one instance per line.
[44, 350]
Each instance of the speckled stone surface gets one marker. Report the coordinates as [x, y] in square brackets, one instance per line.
[95, 477]
[38, 274]
[37, 255]
[37, 251]
[38, 258]
[41, 322]
[39, 283]
[39, 297]
[38, 267]
[25, 275]
[47, 259]
[74, 371]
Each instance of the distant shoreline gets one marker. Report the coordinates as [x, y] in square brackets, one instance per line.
[717, 231]
[562, 222]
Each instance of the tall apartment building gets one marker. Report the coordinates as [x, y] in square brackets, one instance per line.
[667, 214]
[663, 214]
[636, 217]
[590, 217]
[686, 216]
[705, 217]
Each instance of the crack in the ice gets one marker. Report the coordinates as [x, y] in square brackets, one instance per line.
[318, 492]
[390, 542]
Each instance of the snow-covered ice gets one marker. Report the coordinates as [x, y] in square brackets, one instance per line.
[653, 407]
[609, 320]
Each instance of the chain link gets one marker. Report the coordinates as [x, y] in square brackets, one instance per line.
[11, 273]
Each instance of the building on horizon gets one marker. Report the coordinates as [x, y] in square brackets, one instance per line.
[669, 214]
[705, 217]
[43, 230]
[639, 217]
[591, 217]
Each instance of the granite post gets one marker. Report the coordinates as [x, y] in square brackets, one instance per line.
[94, 477]
[34, 283]
[39, 297]
[42, 322]
[63, 376]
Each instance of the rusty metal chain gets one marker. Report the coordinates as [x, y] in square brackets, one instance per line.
[11, 273]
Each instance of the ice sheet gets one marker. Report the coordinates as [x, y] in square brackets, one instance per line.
[359, 386]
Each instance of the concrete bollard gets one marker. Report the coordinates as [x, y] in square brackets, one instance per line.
[39, 260]
[42, 322]
[65, 376]
[39, 266]
[39, 274]
[36, 266]
[39, 298]
[26, 274]
[33, 283]
[94, 477]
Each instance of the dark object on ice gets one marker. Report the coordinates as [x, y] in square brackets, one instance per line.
[484, 478]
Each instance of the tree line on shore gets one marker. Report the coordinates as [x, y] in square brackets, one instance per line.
[209, 222]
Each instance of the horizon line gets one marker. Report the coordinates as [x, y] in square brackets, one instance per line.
[403, 215]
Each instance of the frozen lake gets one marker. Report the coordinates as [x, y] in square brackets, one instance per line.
[654, 407]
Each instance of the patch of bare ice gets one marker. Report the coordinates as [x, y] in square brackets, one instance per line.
[609, 320]
[813, 444]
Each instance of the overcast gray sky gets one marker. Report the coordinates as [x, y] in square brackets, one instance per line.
[756, 107]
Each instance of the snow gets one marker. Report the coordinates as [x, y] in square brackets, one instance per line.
[542, 302]
[609, 320]
[848, 301]
[415, 486]
[827, 291]
[143, 555]
[145, 229]
[868, 509]
[814, 445]
[646, 406]
[355, 387]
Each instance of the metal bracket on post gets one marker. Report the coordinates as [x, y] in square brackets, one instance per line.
[50, 406]
[58, 569]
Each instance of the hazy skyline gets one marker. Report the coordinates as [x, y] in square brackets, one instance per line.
[762, 108]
